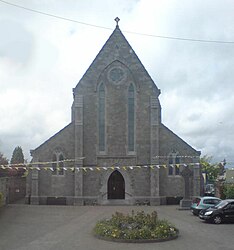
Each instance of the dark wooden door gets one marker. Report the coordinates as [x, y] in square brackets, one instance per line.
[116, 186]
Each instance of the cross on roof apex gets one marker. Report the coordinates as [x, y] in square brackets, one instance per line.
[117, 21]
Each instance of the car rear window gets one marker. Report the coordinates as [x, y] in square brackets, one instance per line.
[207, 201]
[211, 201]
[196, 200]
[216, 201]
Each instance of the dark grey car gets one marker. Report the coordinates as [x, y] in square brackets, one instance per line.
[224, 211]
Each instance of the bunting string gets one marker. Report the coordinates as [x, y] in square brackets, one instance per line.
[41, 166]
[69, 164]
[177, 156]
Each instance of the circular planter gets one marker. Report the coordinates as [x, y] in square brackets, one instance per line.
[138, 240]
[123, 228]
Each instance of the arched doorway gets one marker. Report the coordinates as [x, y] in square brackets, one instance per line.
[116, 186]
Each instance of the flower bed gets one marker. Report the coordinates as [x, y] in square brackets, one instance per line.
[139, 227]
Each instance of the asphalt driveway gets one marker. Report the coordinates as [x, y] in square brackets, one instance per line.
[69, 227]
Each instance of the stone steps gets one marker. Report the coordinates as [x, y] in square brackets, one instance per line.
[117, 202]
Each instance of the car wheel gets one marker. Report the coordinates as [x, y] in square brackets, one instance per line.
[217, 219]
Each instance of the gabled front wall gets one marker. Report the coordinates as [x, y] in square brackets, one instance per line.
[116, 53]
[80, 139]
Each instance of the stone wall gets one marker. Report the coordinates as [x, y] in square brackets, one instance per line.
[13, 189]
[56, 185]
[17, 189]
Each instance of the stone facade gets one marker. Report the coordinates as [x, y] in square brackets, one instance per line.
[116, 122]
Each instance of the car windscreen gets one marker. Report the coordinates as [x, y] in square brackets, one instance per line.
[221, 204]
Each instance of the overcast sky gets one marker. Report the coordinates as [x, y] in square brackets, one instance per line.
[42, 58]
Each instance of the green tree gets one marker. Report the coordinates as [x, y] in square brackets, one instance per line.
[211, 170]
[3, 161]
[17, 157]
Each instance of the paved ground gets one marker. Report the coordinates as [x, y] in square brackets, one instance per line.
[65, 227]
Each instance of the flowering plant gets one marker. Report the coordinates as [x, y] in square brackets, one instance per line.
[135, 226]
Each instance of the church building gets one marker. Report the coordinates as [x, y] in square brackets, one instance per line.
[115, 150]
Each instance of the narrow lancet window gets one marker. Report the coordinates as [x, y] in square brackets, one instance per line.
[131, 118]
[101, 117]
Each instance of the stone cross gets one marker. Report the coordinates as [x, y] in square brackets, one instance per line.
[117, 21]
[186, 173]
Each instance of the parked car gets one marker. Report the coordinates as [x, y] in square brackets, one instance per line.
[223, 211]
[200, 203]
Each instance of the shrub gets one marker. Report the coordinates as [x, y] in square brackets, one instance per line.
[229, 191]
[135, 226]
[222, 191]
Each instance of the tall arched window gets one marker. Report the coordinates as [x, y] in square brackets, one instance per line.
[101, 117]
[131, 118]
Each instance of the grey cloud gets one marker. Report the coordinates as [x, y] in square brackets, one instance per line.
[16, 42]
[196, 79]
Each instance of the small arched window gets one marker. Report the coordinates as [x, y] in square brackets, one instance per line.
[177, 162]
[54, 164]
[61, 165]
[101, 117]
[170, 169]
[131, 118]
[57, 164]
[174, 164]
